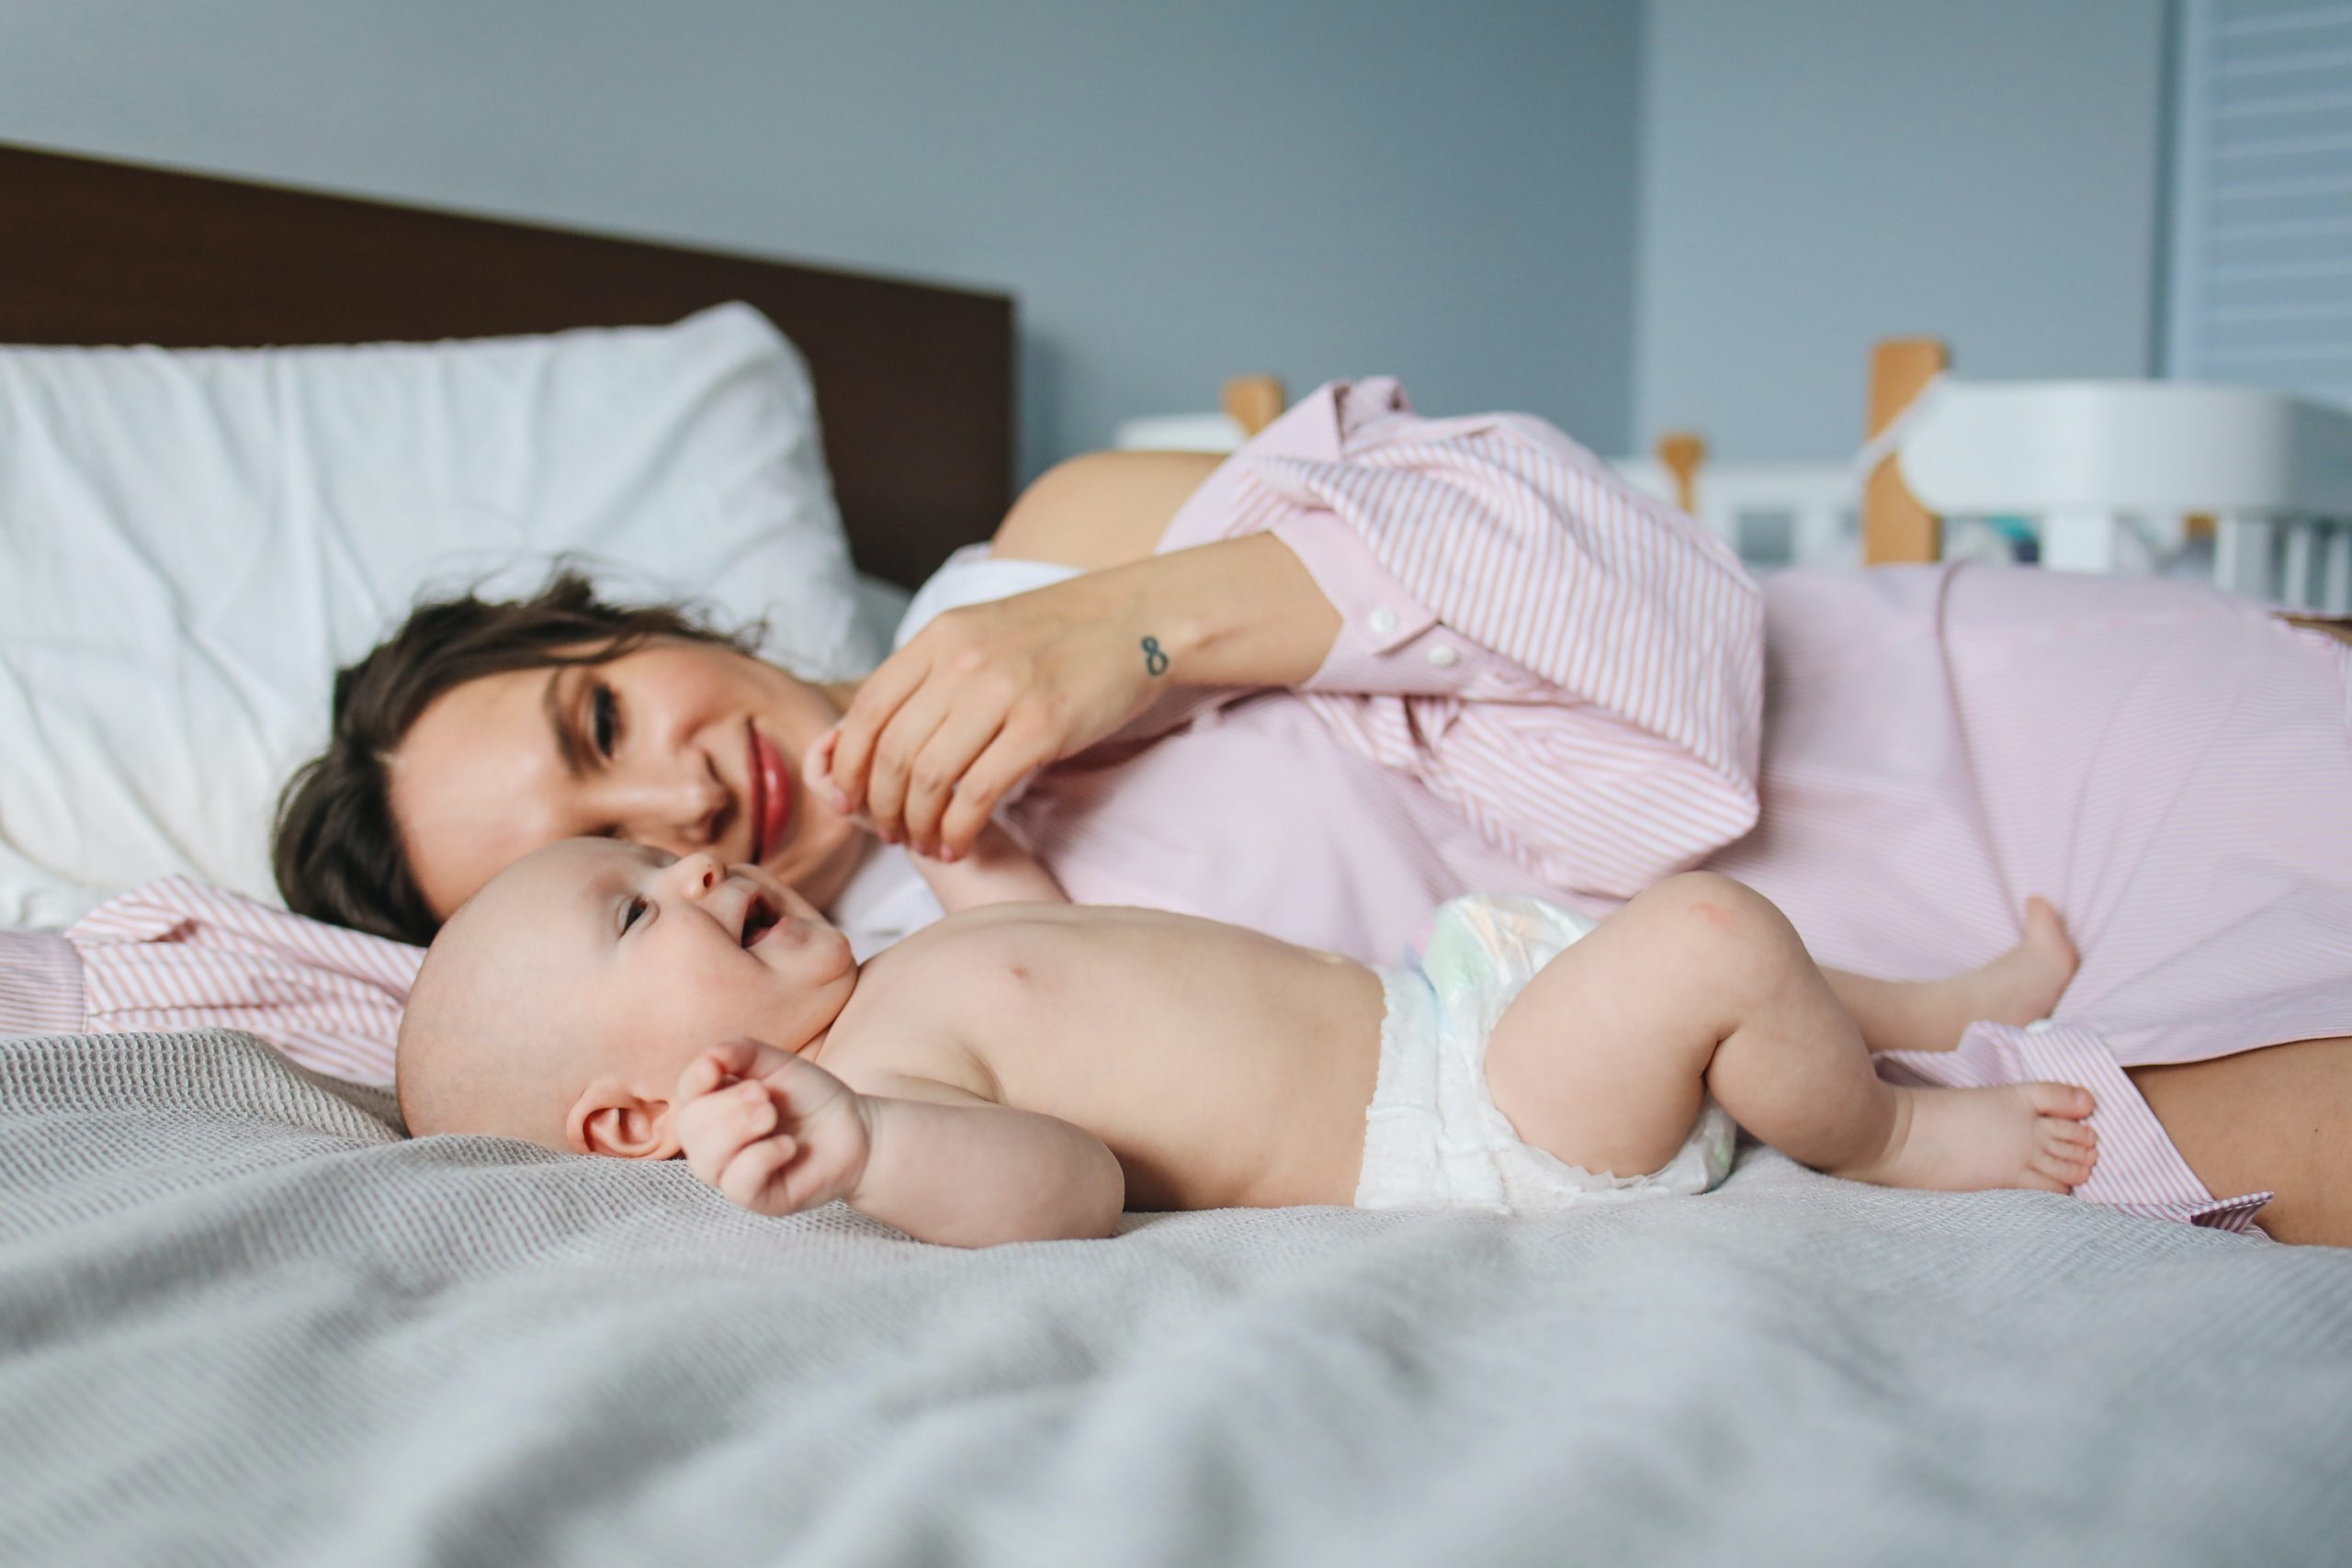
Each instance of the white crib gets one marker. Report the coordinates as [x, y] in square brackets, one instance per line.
[2250, 487]
[1774, 515]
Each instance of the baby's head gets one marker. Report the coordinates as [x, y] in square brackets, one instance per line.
[561, 1002]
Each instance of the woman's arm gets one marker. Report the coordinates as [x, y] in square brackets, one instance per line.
[1575, 667]
[987, 694]
[1102, 509]
[1238, 612]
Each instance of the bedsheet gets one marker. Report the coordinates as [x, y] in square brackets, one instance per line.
[249, 1323]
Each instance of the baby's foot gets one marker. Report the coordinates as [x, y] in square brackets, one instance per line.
[1964, 1140]
[2024, 983]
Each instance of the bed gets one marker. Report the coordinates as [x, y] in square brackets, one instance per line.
[251, 1322]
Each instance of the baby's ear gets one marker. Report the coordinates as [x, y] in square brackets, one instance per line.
[610, 1118]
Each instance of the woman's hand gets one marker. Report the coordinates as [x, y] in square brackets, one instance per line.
[988, 693]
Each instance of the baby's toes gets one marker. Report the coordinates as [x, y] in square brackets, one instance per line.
[2079, 1136]
[2060, 1099]
[2062, 1151]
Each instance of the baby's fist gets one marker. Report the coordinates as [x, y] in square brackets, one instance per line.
[774, 1133]
[817, 774]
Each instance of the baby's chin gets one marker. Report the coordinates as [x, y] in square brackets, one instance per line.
[845, 957]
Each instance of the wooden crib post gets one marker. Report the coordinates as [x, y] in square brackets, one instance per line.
[1681, 452]
[1895, 528]
[1253, 402]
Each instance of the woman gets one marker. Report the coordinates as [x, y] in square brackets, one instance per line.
[1375, 660]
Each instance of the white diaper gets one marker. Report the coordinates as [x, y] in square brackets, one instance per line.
[1433, 1138]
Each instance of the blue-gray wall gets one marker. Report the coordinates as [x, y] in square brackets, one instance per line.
[1175, 192]
[1464, 195]
[1818, 174]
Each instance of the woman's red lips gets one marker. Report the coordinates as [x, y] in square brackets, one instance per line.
[771, 796]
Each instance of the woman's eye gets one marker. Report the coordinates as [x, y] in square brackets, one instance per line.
[636, 911]
[603, 712]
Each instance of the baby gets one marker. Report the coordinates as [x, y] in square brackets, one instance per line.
[1024, 1068]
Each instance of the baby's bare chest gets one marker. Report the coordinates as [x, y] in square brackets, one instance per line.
[1056, 992]
[1180, 1042]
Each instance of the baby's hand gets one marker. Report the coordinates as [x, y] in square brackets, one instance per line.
[997, 869]
[774, 1133]
[817, 774]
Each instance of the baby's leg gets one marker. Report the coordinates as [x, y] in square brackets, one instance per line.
[2018, 987]
[1700, 984]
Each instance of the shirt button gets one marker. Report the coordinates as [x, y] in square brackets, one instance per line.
[1382, 622]
[1443, 656]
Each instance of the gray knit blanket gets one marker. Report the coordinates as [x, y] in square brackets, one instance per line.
[248, 1322]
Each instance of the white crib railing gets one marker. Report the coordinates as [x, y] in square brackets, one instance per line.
[2113, 472]
[1773, 514]
[2249, 488]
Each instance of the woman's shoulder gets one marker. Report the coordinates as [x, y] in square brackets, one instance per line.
[1102, 509]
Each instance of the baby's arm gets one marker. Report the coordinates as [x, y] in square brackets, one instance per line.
[778, 1134]
[996, 871]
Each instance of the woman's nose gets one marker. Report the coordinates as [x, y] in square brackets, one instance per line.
[680, 813]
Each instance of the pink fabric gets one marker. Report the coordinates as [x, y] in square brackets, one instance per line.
[1543, 684]
[179, 954]
[2167, 763]
[40, 984]
[2171, 766]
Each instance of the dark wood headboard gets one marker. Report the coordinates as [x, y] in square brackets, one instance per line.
[914, 382]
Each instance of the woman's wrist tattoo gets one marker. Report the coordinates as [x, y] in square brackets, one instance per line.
[1155, 658]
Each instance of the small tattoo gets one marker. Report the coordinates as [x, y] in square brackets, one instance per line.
[1154, 661]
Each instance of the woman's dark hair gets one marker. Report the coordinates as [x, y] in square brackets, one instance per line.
[336, 850]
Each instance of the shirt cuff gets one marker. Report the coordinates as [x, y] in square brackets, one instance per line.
[1388, 642]
[40, 984]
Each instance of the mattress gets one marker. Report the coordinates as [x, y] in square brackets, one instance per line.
[249, 1322]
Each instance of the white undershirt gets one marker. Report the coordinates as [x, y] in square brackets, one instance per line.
[886, 898]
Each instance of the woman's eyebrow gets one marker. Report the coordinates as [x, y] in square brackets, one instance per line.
[567, 744]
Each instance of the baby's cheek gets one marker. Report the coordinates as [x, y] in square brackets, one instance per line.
[733, 998]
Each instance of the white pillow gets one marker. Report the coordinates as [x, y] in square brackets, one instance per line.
[192, 542]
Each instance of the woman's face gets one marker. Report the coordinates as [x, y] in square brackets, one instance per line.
[680, 745]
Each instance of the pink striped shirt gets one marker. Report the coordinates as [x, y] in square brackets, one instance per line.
[1545, 683]
[180, 954]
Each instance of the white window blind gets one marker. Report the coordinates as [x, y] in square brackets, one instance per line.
[2261, 247]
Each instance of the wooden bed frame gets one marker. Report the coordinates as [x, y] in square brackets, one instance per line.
[914, 381]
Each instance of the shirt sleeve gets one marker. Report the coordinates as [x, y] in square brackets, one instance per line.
[1575, 667]
[179, 955]
[40, 984]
